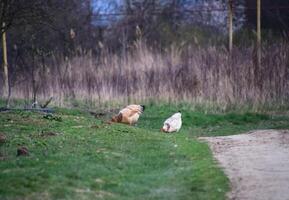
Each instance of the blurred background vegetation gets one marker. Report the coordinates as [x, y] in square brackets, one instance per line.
[138, 50]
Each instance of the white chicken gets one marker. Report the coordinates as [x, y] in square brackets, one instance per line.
[129, 115]
[173, 124]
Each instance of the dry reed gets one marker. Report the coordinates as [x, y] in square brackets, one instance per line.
[177, 74]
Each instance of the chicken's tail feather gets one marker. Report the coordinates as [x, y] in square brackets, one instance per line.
[117, 118]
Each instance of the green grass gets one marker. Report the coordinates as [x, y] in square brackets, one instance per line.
[86, 159]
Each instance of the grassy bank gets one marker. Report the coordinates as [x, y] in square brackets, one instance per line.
[73, 155]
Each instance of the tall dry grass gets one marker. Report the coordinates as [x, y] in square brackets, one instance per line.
[177, 74]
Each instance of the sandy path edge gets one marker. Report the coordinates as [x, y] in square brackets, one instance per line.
[257, 164]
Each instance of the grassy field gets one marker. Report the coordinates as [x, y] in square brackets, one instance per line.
[73, 155]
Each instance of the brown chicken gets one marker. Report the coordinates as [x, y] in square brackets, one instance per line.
[129, 115]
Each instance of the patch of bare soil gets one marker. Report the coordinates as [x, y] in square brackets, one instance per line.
[256, 163]
[49, 134]
[22, 151]
[3, 138]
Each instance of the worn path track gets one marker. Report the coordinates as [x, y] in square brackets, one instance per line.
[256, 163]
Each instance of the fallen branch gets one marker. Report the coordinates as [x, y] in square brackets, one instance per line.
[47, 110]
[46, 103]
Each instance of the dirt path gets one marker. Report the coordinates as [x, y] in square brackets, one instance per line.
[256, 163]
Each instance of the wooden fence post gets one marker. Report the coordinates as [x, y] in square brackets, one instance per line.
[230, 21]
[5, 66]
[259, 50]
